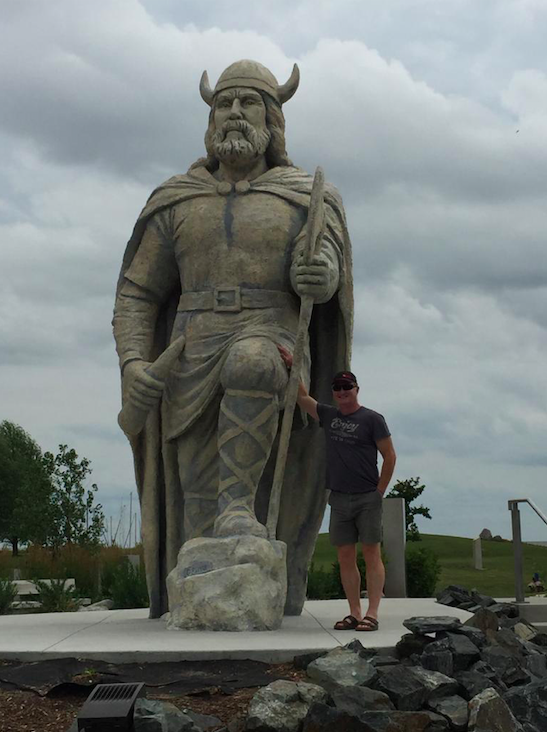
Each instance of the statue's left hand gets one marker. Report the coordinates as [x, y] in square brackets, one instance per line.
[314, 279]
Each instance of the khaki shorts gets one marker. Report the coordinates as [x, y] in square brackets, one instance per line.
[355, 517]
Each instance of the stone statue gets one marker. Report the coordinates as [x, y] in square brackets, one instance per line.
[214, 264]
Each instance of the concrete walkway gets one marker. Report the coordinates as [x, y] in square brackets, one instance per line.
[123, 636]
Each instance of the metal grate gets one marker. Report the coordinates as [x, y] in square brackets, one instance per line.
[109, 707]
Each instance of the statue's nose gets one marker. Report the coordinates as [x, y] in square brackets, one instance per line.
[235, 112]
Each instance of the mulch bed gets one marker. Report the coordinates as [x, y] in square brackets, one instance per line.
[46, 696]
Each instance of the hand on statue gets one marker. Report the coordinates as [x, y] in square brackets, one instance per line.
[286, 356]
[143, 390]
[312, 279]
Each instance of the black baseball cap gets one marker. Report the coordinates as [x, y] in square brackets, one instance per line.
[345, 376]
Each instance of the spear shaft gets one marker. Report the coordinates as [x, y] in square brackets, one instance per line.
[311, 248]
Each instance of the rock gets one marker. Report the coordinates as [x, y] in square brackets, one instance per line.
[437, 656]
[475, 635]
[405, 689]
[506, 638]
[497, 537]
[302, 661]
[454, 596]
[473, 682]
[155, 716]
[536, 664]
[422, 626]
[412, 643]
[508, 609]
[203, 721]
[381, 661]
[482, 600]
[509, 668]
[341, 667]
[484, 620]
[529, 703]
[98, 606]
[485, 534]
[540, 640]
[236, 583]
[525, 631]
[322, 718]
[358, 699]
[489, 712]
[282, 705]
[454, 708]
[436, 684]
[464, 651]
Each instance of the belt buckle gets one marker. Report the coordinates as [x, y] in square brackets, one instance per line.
[234, 303]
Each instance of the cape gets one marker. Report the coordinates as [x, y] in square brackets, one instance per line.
[303, 496]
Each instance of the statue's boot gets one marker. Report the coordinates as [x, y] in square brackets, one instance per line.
[248, 424]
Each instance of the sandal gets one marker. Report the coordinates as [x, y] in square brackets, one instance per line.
[348, 623]
[367, 624]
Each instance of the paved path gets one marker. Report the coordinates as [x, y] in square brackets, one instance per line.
[123, 636]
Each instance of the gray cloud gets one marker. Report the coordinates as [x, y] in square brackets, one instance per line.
[415, 112]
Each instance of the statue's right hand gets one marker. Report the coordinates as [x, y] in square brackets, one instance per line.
[142, 389]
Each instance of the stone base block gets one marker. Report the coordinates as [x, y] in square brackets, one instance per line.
[235, 583]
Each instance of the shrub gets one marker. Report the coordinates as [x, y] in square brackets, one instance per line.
[422, 571]
[55, 597]
[128, 586]
[320, 584]
[8, 592]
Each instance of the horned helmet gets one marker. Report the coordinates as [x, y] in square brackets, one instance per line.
[250, 74]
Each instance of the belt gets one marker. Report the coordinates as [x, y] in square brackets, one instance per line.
[235, 299]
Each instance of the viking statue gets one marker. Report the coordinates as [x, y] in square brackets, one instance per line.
[215, 258]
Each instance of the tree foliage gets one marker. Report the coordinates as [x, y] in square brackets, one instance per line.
[43, 499]
[410, 490]
[76, 520]
[25, 488]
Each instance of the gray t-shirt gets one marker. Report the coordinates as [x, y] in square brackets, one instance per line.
[352, 455]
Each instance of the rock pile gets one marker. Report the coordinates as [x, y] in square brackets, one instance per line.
[482, 676]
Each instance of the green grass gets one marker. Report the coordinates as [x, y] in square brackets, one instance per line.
[456, 559]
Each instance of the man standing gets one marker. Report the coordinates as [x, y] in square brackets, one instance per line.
[215, 257]
[354, 436]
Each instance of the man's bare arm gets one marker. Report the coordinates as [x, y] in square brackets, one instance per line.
[304, 400]
[387, 451]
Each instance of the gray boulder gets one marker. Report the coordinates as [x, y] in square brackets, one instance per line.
[282, 705]
[464, 651]
[155, 716]
[322, 718]
[529, 703]
[358, 699]
[484, 619]
[488, 712]
[454, 709]
[341, 667]
[437, 656]
[422, 626]
[412, 643]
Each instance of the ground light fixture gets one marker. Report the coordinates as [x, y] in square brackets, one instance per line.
[109, 708]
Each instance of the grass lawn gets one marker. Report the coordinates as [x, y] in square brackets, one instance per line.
[456, 559]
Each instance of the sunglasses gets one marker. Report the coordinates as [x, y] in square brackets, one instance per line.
[345, 387]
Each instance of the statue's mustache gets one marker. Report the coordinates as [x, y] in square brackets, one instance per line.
[239, 125]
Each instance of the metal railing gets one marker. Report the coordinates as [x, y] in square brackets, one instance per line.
[517, 541]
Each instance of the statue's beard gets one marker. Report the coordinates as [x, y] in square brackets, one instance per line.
[253, 144]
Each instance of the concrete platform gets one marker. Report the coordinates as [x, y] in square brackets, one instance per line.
[123, 636]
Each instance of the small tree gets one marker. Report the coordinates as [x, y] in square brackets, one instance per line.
[410, 489]
[25, 488]
[76, 520]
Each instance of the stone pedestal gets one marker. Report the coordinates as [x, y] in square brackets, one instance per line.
[235, 583]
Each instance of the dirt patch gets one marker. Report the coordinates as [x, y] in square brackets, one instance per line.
[30, 711]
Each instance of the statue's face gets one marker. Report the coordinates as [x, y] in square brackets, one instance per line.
[239, 117]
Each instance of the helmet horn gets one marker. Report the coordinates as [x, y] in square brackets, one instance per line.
[205, 89]
[285, 91]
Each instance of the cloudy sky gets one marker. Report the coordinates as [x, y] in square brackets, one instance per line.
[430, 116]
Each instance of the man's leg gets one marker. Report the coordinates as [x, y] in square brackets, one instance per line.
[351, 578]
[376, 577]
